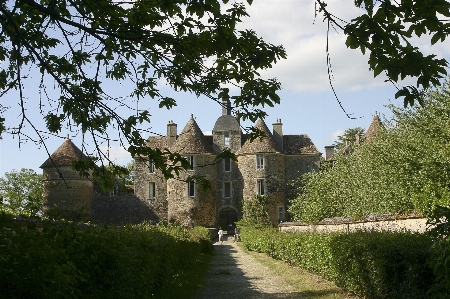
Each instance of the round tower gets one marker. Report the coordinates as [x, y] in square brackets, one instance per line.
[187, 203]
[63, 189]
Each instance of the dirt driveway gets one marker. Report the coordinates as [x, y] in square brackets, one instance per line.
[236, 274]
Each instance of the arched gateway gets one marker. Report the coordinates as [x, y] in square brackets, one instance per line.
[227, 218]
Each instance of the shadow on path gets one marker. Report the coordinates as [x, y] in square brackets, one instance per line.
[234, 274]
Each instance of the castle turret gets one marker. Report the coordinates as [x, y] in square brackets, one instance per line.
[63, 188]
[187, 204]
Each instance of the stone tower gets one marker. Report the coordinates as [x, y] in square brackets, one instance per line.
[63, 188]
[262, 164]
[227, 134]
[187, 203]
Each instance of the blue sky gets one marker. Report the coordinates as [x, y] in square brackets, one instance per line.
[308, 105]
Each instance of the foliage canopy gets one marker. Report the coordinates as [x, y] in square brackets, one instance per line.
[404, 169]
[21, 190]
[387, 30]
[81, 46]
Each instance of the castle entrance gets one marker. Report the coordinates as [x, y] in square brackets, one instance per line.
[227, 219]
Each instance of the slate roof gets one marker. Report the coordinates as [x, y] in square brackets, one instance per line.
[65, 155]
[261, 145]
[159, 142]
[298, 144]
[191, 140]
[375, 127]
[227, 123]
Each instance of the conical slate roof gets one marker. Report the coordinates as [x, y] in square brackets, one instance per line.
[191, 140]
[261, 145]
[64, 155]
[375, 127]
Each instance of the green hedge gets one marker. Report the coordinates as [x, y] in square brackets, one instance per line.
[370, 264]
[63, 261]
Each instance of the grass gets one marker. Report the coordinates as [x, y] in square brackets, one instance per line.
[185, 284]
[308, 284]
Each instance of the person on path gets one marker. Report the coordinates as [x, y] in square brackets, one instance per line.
[220, 236]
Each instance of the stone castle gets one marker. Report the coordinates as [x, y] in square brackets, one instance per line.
[265, 166]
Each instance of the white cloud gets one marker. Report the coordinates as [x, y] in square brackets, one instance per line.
[117, 154]
[293, 24]
[335, 135]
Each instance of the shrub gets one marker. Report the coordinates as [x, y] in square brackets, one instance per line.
[61, 260]
[370, 264]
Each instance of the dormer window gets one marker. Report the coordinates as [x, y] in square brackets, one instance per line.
[226, 139]
[260, 161]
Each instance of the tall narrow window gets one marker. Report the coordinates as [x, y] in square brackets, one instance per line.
[261, 187]
[191, 161]
[191, 188]
[226, 139]
[227, 164]
[227, 189]
[259, 161]
[151, 166]
[151, 190]
[280, 214]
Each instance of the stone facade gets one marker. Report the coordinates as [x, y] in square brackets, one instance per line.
[264, 166]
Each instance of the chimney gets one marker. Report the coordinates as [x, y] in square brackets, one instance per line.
[357, 139]
[171, 133]
[226, 107]
[278, 132]
[329, 152]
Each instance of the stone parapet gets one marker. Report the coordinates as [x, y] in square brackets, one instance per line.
[416, 225]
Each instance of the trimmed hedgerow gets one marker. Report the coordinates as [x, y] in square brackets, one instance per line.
[64, 261]
[370, 264]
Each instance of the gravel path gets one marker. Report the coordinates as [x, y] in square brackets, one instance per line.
[235, 274]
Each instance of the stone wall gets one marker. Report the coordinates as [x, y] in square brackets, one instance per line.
[65, 191]
[273, 175]
[235, 178]
[297, 165]
[121, 210]
[143, 177]
[199, 210]
[394, 225]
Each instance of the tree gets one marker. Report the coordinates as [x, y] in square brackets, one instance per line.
[405, 169]
[349, 137]
[387, 30]
[78, 47]
[22, 190]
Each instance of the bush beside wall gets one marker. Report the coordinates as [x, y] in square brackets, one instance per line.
[370, 264]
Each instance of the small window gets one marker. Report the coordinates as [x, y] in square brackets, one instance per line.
[281, 214]
[113, 192]
[261, 187]
[191, 188]
[191, 161]
[226, 139]
[227, 164]
[259, 161]
[151, 166]
[227, 189]
[151, 190]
